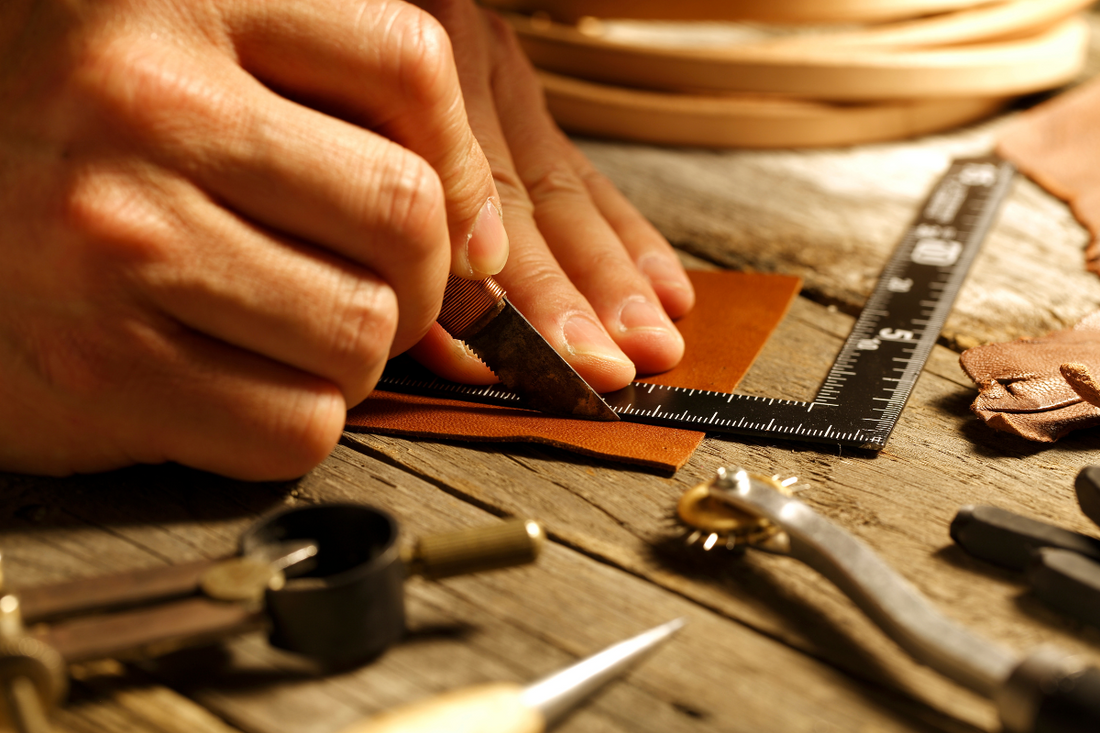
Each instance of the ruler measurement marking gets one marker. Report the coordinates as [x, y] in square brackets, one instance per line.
[916, 287]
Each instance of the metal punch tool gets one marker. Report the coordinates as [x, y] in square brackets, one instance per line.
[1045, 691]
[325, 582]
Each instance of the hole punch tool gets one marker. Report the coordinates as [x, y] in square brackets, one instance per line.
[1045, 691]
[508, 708]
[1062, 567]
[324, 581]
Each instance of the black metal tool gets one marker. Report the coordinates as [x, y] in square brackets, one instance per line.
[1062, 567]
[477, 313]
[862, 397]
[324, 581]
[1045, 691]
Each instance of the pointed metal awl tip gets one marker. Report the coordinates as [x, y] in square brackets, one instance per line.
[554, 696]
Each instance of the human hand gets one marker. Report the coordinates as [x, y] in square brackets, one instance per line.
[220, 219]
[590, 273]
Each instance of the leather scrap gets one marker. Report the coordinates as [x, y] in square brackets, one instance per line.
[734, 314]
[1057, 144]
[1039, 389]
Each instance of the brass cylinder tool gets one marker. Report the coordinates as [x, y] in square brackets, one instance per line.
[324, 581]
[1048, 690]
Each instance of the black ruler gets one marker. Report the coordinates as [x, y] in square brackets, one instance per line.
[867, 387]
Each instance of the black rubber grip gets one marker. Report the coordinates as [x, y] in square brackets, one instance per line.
[1067, 581]
[1008, 539]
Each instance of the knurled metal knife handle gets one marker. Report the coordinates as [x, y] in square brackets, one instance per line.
[477, 313]
[469, 304]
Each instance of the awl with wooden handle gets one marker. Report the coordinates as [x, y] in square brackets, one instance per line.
[509, 708]
[477, 313]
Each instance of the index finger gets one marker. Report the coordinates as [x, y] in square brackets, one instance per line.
[387, 66]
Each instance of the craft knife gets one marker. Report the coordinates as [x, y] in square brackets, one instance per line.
[477, 313]
[877, 368]
[508, 708]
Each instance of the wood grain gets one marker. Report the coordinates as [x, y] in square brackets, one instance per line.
[769, 645]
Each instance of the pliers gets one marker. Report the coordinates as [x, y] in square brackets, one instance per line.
[1061, 566]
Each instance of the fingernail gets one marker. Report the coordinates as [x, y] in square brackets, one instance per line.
[487, 245]
[641, 314]
[584, 337]
[659, 269]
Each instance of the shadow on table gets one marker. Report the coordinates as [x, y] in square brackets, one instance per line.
[136, 495]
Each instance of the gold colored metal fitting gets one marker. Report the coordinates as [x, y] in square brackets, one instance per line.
[716, 523]
[241, 579]
[501, 545]
[32, 674]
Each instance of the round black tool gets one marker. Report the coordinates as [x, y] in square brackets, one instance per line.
[350, 606]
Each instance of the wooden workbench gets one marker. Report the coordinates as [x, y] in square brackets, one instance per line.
[769, 646]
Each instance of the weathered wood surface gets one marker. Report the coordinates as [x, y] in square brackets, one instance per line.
[770, 645]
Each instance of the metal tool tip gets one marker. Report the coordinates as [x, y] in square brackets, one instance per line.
[556, 695]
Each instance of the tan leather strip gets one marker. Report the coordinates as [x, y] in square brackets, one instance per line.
[1058, 145]
[1049, 58]
[755, 122]
[733, 316]
[771, 11]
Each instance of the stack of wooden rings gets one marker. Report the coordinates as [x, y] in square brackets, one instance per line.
[814, 72]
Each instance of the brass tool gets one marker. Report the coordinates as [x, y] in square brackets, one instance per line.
[324, 581]
[508, 708]
[1046, 691]
[477, 313]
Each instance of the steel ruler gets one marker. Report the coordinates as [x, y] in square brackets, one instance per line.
[867, 387]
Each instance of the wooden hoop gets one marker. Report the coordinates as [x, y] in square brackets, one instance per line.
[756, 122]
[768, 11]
[1048, 59]
[1001, 21]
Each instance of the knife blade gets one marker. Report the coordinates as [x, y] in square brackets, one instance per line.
[477, 313]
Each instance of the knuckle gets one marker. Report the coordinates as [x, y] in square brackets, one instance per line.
[414, 207]
[308, 432]
[364, 324]
[513, 194]
[139, 91]
[113, 219]
[556, 180]
[85, 361]
[502, 34]
[422, 55]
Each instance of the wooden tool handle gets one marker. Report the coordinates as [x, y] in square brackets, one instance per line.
[493, 708]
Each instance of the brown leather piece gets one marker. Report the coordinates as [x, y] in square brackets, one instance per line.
[1039, 389]
[1058, 145]
[734, 314]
